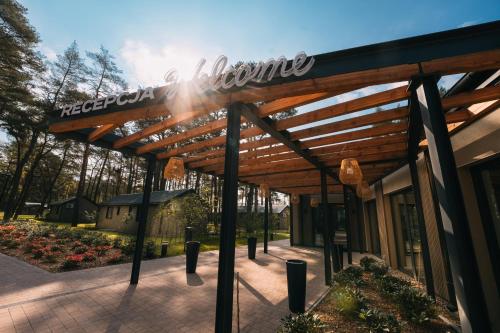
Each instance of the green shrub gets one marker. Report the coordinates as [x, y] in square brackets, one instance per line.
[365, 262]
[349, 300]
[116, 259]
[301, 323]
[37, 253]
[80, 249]
[12, 244]
[349, 276]
[77, 233]
[149, 250]
[50, 257]
[379, 322]
[117, 243]
[379, 269]
[55, 248]
[102, 250]
[390, 285]
[415, 305]
[72, 261]
[128, 247]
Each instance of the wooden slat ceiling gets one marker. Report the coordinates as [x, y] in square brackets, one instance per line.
[378, 139]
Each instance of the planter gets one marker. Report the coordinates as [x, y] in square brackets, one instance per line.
[252, 247]
[188, 234]
[296, 271]
[164, 249]
[192, 251]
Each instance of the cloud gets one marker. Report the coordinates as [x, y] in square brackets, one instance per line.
[48, 52]
[147, 65]
[467, 24]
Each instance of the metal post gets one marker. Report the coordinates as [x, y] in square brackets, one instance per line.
[266, 223]
[429, 281]
[470, 298]
[336, 249]
[326, 228]
[347, 207]
[361, 229]
[142, 218]
[224, 308]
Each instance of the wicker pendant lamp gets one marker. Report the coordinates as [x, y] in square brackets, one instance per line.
[363, 190]
[350, 172]
[314, 202]
[174, 169]
[264, 191]
[295, 199]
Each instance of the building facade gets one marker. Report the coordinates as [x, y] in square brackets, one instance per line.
[120, 213]
[389, 224]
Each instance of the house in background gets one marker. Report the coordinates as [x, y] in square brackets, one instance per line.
[62, 211]
[281, 212]
[119, 213]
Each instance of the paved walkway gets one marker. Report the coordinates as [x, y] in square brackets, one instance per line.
[165, 300]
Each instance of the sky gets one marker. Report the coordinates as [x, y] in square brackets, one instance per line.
[150, 37]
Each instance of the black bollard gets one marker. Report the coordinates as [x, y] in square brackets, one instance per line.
[164, 249]
[192, 250]
[252, 247]
[296, 272]
[188, 236]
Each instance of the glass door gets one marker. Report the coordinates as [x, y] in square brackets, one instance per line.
[404, 216]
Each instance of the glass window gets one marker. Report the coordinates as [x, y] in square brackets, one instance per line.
[487, 185]
[406, 229]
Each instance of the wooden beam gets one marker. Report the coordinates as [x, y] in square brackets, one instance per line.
[309, 189]
[101, 131]
[249, 111]
[217, 125]
[324, 113]
[383, 129]
[340, 109]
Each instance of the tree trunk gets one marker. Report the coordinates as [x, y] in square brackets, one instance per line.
[16, 178]
[81, 186]
[99, 178]
[50, 188]
[250, 199]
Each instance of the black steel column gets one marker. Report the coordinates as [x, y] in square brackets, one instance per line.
[291, 219]
[464, 267]
[225, 279]
[429, 281]
[266, 223]
[326, 228]
[347, 207]
[142, 218]
[361, 226]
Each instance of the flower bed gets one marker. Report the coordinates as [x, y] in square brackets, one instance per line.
[60, 248]
[371, 299]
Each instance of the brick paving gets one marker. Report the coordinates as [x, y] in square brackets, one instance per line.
[165, 300]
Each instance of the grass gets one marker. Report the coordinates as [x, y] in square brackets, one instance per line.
[175, 247]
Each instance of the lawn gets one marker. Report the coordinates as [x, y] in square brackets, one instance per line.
[58, 247]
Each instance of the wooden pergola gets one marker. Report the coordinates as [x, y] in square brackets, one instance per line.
[306, 160]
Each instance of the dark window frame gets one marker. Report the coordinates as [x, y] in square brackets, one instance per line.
[109, 212]
[492, 243]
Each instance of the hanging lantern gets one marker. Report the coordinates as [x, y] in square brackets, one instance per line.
[295, 199]
[350, 172]
[363, 190]
[264, 191]
[314, 202]
[174, 168]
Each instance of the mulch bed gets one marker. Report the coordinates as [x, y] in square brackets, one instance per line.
[339, 323]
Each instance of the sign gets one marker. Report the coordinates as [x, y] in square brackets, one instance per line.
[220, 78]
